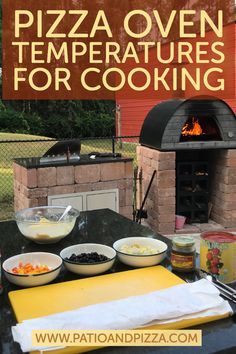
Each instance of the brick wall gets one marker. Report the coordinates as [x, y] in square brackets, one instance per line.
[224, 188]
[160, 203]
[33, 186]
[162, 197]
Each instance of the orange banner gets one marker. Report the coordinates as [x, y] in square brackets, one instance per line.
[102, 49]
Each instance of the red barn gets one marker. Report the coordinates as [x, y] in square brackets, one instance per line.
[134, 111]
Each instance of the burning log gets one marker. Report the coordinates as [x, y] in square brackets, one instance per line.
[192, 128]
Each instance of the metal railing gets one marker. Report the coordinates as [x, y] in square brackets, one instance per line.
[12, 149]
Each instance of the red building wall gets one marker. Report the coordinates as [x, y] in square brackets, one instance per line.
[133, 112]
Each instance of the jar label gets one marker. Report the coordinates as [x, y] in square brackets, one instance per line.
[219, 259]
[182, 261]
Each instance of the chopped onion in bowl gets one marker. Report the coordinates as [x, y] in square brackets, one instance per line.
[137, 249]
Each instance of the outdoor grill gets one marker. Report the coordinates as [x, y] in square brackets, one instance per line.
[62, 151]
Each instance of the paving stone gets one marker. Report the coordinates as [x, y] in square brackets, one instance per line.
[112, 171]
[47, 177]
[88, 173]
[129, 170]
[65, 175]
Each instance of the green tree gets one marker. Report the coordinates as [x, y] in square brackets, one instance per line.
[0, 33]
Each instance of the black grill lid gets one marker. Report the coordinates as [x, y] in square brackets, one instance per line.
[63, 147]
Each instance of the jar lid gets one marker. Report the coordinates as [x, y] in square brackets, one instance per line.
[183, 241]
[218, 236]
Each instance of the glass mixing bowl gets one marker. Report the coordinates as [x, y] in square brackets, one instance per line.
[41, 225]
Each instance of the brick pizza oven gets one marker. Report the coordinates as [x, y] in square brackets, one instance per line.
[192, 145]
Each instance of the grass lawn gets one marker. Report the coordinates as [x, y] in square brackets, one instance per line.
[13, 136]
[6, 210]
[128, 149]
[6, 183]
[11, 150]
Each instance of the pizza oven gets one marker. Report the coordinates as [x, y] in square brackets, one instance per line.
[199, 123]
[191, 143]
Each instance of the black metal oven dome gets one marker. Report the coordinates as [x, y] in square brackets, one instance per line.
[162, 128]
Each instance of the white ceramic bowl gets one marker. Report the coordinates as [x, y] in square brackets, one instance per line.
[141, 260]
[41, 225]
[88, 268]
[53, 261]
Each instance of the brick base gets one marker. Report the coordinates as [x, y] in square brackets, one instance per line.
[160, 203]
[224, 188]
[33, 186]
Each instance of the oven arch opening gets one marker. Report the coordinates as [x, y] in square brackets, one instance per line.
[198, 127]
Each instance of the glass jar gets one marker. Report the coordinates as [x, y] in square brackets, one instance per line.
[183, 254]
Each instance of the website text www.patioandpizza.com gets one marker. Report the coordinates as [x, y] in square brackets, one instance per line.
[117, 338]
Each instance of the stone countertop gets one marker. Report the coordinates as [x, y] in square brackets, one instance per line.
[34, 162]
[102, 226]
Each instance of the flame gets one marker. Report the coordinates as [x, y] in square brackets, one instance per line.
[192, 128]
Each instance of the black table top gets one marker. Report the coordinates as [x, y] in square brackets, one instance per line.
[102, 226]
[34, 162]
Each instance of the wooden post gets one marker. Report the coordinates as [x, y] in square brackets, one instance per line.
[118, 117]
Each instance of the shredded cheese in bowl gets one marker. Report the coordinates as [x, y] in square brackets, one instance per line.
[137, 249]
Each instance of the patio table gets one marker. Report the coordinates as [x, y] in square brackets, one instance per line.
[103, 226]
